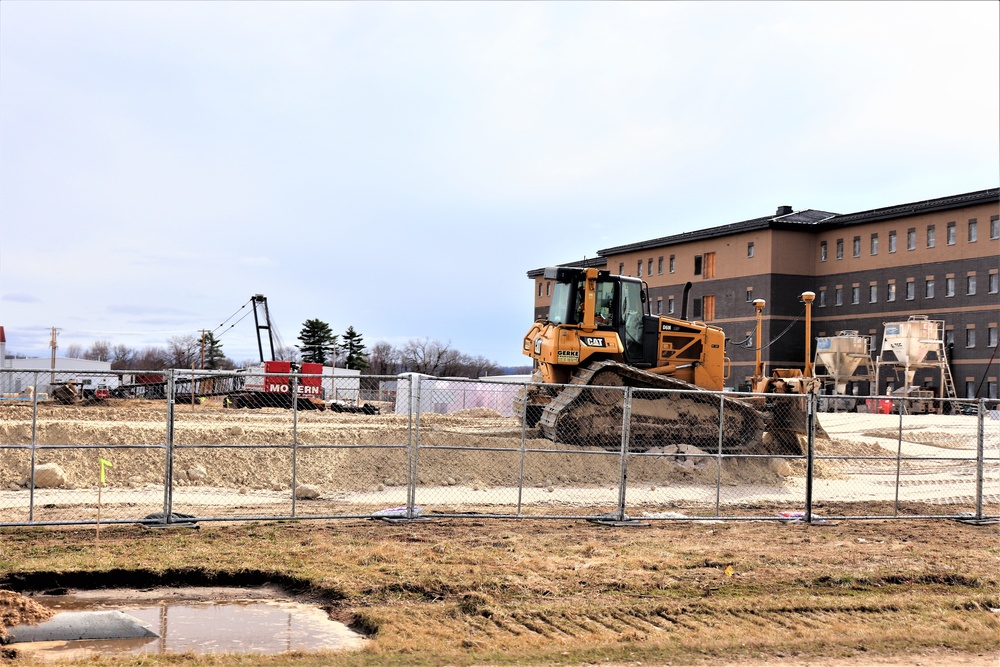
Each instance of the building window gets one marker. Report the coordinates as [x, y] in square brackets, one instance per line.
[548, 289]
[949, 287]
[855, 295]
[840, 248]
[872, 293]
[970, 389]
[696, 312]
[638, 270]
[931, 240]
[621, 268]
[822, 251]
[991, 336]
[697, 265]
[709, 264]
[951, 233]
[650, 272]
[659, 306]
[929, 288]
[995, 227]
[892, 241]
[750, 249]
[659, 266]
[970, 285]
[749, 294]
[822, 298]
[670, 305]
[671, 265]
[911, 291]
[890, 292]
[708, 305]
[911, 238]
[874, 244]
[994, 283]
[839, 299]
[973, 231]
[949, 338]
[970, 338]
[991, 389]
[857, 246]
[539, 288]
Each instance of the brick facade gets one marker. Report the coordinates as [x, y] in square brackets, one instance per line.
[952, 241]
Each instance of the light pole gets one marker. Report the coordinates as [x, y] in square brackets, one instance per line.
[758, 369]
[808, 298]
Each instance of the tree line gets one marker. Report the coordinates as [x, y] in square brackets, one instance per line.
[317, 344]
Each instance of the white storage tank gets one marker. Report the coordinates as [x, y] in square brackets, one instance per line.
[841, 355]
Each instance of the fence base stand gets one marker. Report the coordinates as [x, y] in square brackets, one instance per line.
[175, 520]
[985, 521]
[613, 520]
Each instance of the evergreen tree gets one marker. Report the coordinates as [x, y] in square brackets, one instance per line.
[319, 344]
[353, 350]
[213, 355]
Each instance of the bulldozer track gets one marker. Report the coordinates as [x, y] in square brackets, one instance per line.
[585, 414]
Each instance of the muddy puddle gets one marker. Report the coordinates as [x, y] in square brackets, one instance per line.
[197, 620]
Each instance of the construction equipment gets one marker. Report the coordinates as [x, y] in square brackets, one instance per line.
[842, 357]
[599, 333]
[272, 383]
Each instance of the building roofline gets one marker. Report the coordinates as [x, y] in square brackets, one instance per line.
[797, 220]
[914, 208]
[811, 220]
[584, 263]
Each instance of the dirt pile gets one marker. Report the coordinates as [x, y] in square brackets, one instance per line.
[254, 449]
[15, 609]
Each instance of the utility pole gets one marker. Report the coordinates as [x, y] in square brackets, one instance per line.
[203, 332]
[52, 344]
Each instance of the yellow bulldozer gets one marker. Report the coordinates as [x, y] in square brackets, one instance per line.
[599, 334]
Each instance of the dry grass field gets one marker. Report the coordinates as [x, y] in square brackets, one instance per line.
[531, 592]
[475, 591]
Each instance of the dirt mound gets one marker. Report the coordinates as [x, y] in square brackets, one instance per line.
[15, 609]
[255, 449]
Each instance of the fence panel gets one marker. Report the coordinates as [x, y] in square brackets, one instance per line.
[56, 431]
[411, 445]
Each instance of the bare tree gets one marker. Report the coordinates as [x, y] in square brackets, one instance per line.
[423, 355]
[123, 357]
[287, 353]
[74, 351]
[150, 359]
[182, 351]
[99, 351]
[383, 359]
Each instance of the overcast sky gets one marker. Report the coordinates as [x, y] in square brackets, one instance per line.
[398, 167]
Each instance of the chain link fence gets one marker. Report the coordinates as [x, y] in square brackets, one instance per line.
[181, 446]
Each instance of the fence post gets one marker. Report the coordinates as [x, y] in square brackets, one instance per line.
[34, 444]
[414, 442]
[810, 452]
[980, 455]
[293, 386]
[623, 473]
[718, 460]
[524, 438]
[168, 476]
[899, 457]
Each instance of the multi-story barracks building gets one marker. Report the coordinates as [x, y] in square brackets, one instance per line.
[938, 258]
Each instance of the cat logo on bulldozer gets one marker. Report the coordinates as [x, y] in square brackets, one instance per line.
[592, 341]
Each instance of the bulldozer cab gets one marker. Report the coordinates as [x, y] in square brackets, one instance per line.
[610, 303]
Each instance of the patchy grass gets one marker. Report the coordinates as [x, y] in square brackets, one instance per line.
[474, 592]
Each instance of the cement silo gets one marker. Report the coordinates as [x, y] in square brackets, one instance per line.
[841, 357]
[912, 345]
